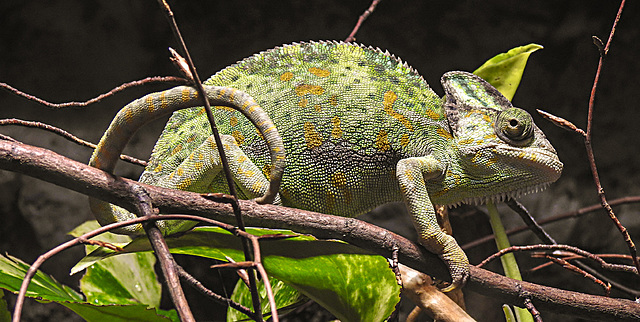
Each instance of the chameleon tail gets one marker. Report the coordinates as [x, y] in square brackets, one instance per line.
[143, 110]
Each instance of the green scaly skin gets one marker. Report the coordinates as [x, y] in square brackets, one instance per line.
[360, 128]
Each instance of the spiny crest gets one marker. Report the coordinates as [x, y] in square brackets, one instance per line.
[412, 71]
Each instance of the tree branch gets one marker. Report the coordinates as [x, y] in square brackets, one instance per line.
[54, 168]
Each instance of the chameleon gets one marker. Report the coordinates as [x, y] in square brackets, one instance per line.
[339, 128]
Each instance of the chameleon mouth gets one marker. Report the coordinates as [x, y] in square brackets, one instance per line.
[501, 197]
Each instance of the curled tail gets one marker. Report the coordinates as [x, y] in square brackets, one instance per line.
[143, 110]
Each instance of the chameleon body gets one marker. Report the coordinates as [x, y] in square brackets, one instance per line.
[360, 128]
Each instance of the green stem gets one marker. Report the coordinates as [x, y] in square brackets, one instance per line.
[509, 263]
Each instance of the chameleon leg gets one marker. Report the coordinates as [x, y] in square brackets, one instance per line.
[202, 169]
[412, 173]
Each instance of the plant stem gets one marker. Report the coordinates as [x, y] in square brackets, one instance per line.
[508, 261]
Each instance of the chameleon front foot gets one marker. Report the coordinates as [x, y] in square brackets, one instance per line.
[453, 257]
[459, 270]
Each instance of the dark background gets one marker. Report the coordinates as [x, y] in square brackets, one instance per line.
[74, 50]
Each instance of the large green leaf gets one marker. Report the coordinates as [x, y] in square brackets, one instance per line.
[504, 71]
[127, 279]
[350, 282]
[46, 288]
[42, 286]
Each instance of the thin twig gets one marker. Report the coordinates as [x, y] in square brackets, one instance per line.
[363, 17]
[148, 80]
[229, 178]
[591, 156]
[66, 135]
[568, 266]
[573, 249]
[531, 223]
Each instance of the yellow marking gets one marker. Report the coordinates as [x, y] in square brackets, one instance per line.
[238, 136]
[176, 149]
[444, 133]
[198, 165]
[221, 93]
[339, 180]
[232, 96]
[382, 141]
[242, 158]
[184, 184]
[185, 94]
[266, 170]
[336, 132]
[303, 102]
[158, 168]
[247, 173]
[225, 108]
[202, 110]
[465, 142]
[246, 104]
[257, 186]
[286, 76]
[432, 115]
[312, 137]
[149, 102]
[179, 172]
[408, 174]
[389, 98]
[487, 118]
[333, 100]
[317, 107]
[233, 121]
[404, 140]
[269, 129]
[489, 136]
[252, 108]
[309, 89]
[319, 72]
[191, 138]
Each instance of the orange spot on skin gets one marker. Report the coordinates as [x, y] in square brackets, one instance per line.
[312, 136]
[336, 132]
[333, 100]
[309, 89]
[286, 76]
[389, 98]
[382, 141]
[444, 133]
[238, 136]
[303, 102]
[404, 140]
[319, 72]
[233, 121]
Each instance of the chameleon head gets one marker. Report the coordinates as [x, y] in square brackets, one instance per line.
[501, 153]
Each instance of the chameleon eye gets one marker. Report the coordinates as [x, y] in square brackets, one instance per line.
[514, 126]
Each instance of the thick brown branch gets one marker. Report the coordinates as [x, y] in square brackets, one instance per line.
[51, 167]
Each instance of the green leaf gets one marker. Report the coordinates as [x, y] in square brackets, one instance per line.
[353, 284]
[285, 296]
[127, 279]
[42, 286]
[46, 288]
[504, 71]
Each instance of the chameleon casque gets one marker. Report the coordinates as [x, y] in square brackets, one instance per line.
[359, 128]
